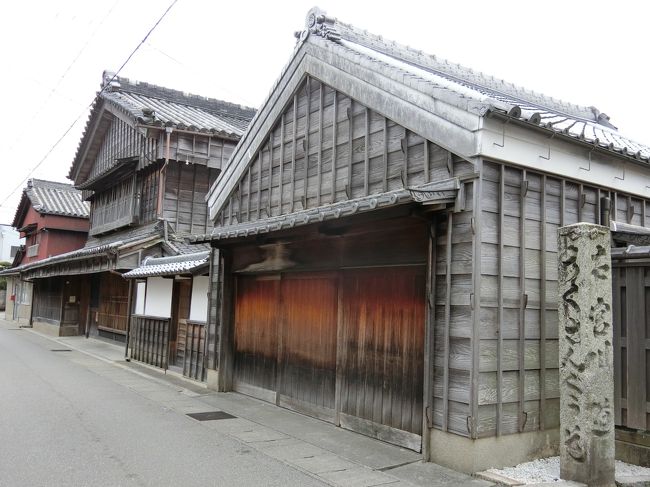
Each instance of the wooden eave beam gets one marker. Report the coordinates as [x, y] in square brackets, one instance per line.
[87, 139]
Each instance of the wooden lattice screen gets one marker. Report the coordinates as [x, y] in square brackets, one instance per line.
[149, 340]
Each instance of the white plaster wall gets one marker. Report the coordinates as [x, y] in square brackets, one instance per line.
[199, 301]
[158, 300]
[140, 293]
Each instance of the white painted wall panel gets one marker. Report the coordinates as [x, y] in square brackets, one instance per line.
[159, 297]
[140, 292]
[199, 302]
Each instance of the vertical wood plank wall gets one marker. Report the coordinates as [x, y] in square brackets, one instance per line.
[327, 148]
[452, 361]
[120, 141]
[631, 297]
[113, 304]
[521, 211]
[186, 186]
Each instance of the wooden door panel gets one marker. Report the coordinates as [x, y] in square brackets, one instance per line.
[383, 349]
[256, 333]
[308, 349]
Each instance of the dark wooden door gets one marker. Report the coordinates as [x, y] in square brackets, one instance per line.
[307, 360]
[256, 336]
[382, 353]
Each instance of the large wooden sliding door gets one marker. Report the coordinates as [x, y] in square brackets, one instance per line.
[294, 332]
[307, 373]
[256, 336]
[383, 353]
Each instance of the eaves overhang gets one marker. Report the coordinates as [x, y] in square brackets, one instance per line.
[123, 169]
[595, 145]
[436, 193]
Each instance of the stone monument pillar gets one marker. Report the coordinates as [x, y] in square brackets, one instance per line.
[586, 355]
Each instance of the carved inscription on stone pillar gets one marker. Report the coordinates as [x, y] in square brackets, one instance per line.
[586, 355]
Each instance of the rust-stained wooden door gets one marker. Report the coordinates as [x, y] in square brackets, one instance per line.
[256, 336]
[296, 332]
[382, 353]
[307, 352]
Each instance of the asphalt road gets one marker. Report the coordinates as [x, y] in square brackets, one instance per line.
[67, 419]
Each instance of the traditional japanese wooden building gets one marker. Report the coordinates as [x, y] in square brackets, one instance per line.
[144, 163]
[53, 219]
[385, 251]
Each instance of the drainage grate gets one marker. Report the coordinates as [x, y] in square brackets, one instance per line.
[60, 350]
[211, 416]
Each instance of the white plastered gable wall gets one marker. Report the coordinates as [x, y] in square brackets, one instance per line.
[525, 147]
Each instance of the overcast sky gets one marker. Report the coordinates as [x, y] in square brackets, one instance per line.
[53, 54]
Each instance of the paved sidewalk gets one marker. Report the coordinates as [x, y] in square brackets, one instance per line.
[330, 454]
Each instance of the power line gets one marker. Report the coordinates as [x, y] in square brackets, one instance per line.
[195, 71]
[106, 85]
[65, 73]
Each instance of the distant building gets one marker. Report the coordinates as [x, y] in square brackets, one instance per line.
[144, 164]
[10, 243]
[51, 219]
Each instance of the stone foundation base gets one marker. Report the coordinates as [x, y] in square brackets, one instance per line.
[212, 379]
[55, 330]
[633, 447]
[469, 456]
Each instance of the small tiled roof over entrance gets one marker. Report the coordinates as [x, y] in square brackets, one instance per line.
[52, 198]
[170, 266]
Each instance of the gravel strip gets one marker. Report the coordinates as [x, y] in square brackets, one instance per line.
[548, 470]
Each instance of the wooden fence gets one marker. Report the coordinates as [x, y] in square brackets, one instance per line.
[149, 340]
[631, 301]
[190, 349]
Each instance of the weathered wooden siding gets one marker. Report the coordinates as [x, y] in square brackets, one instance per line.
[192, 148]
[453, 325]
[120, 141]
[148, 181]
[113, 208]
[631, 296]
[521, 211]
[186, 186]
[48, 300]
[112, 314]
[326, 148]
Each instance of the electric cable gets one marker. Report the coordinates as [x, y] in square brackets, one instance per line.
[90, 105]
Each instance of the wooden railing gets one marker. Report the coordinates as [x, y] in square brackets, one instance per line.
[149, 340]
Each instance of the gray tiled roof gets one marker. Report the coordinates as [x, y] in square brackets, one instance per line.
[428, 72]
[152, 105]
[53, 198]
[166, 266]
[155, 105]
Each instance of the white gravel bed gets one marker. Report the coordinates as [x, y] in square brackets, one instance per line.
[547, 470]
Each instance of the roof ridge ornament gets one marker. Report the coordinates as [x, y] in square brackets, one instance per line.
[318, 23]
